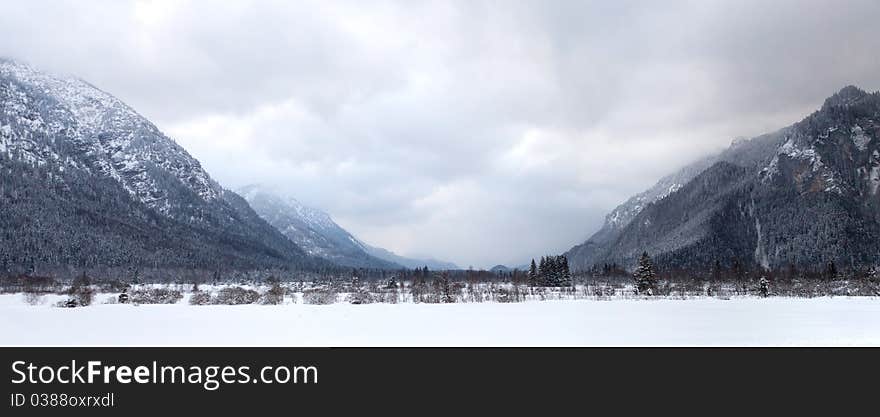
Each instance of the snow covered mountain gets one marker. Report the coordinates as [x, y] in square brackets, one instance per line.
[743, 152]
[110, 137]
[311, 229]
[87, 181]
[319, 235]
[804, 196]
[412, 263]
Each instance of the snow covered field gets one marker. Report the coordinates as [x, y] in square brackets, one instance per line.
[705, 321]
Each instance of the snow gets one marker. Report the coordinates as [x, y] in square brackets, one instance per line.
[874, 180]
[860, 139]
[790, 149]
[874, 174]
[118, 141]
[704, 322]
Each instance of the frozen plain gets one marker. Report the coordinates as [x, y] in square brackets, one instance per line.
[661, 322]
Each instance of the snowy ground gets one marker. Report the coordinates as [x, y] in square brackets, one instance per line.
[705, 321]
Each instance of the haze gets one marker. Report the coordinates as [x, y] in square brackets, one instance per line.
[474, 132]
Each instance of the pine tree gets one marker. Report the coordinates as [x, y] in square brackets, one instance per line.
[645, 276]
[555, 271]
[542, 272]
[547, 272]
[565, 272]
[533, 274]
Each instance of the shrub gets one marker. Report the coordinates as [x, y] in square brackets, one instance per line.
[274, 295]
[68, 303]
[80, 292]
[388, 297]
[503, 295]
[200, 298]
[507, 295]
[236, 296]
[155, 296]
[361, 295]
[319, 296]
[33, 298]
[84, 297]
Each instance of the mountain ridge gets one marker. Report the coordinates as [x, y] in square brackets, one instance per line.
[316, 232]
[167, 210]
[804, 196]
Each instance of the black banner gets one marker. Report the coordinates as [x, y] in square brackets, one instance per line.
[240, 381]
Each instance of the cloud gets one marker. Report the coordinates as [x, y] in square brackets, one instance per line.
[478, 132]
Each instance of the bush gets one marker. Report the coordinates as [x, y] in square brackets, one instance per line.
[506, 295]
[319, 296]
[388, 297]
[503, 295]
[33, 298]
[84, 297]
[80, 292]
[155, 296]
[361, 295]
[274, 295]
[200, 298]
[236, 296]
[602, 291]
[68, 303]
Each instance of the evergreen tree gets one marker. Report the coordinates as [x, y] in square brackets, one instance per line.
[550, 278]
[645, 275]
[565, 272]
[556, 271]
[542, 272]
[533, 274]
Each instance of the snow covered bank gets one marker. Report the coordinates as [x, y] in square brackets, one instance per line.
[747, 321]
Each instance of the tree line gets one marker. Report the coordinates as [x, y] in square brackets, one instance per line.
[551, 271]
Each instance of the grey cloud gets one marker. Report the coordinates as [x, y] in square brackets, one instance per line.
[479, 132]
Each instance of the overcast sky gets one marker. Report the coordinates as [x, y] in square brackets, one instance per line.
[474, 132]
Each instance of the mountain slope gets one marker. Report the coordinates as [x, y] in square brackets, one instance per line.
[412, 263]
[742, 152]
[804, 196]
[319, 235]
[88, 182]
[311, 229]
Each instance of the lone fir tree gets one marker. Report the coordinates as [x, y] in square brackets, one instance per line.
[645, 275]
